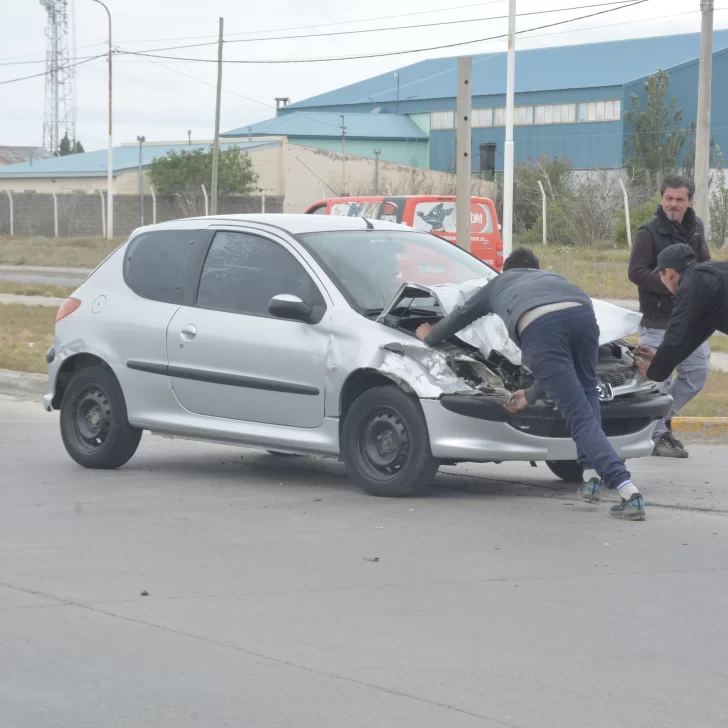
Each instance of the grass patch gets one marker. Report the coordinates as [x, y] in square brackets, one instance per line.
[718, 342]
[35, 289]
[713, 400]
[62, 252]
[26, 334]
[600, 271]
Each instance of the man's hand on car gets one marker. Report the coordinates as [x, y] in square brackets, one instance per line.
[643, 357]
[423, 331]
[516, 402]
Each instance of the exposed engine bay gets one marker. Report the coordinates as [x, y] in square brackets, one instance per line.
[484, 359]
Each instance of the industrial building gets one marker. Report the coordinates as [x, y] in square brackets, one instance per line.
[570, 102]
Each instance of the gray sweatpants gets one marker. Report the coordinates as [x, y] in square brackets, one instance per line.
[692, 374]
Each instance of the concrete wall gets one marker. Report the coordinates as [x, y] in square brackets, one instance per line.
[321, 178]
[80, 214]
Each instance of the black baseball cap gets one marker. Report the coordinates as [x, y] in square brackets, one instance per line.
[678, 257]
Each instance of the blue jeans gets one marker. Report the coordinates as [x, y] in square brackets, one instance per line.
[561, 350]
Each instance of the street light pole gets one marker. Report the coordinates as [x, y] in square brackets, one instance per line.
[377, 152]
[343, 153]
[216, 144]
[509, 162]
[110, 161]
[396, 75]
[141, 140]
[702, 136]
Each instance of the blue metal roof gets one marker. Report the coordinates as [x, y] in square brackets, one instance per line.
[612, 63]
[93, 164]
[326, 125]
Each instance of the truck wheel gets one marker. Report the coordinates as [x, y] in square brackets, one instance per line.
[385, 444]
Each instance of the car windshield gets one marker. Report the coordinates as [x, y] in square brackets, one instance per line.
[370, 265]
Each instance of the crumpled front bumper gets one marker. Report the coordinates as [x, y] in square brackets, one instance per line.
[476, 428]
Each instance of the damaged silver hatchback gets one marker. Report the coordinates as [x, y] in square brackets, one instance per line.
[295, 334]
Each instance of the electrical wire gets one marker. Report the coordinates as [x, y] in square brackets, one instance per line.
[53, 70]
[378, 55]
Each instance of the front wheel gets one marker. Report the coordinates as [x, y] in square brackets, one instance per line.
[385, 444]
[568, 470]
[94, 425]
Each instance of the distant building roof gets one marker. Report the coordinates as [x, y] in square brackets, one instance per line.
[15, 155]
[612, 63]
[93, 164]
[317, 124]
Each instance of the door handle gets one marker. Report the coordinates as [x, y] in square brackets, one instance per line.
[188, 332]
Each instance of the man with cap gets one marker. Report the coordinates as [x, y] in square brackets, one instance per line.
[701, 309]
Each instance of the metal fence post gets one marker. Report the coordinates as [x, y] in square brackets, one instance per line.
[543, 212]
[154, 205]
[12, 216]
[626, 212]
[207, 201]
[55, 214]
[103, 213]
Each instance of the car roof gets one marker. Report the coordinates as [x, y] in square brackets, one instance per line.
[293, 224]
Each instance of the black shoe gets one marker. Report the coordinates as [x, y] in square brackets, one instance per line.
[669, 447]
[630, 510]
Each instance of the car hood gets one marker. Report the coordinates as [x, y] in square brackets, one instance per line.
[489, 333]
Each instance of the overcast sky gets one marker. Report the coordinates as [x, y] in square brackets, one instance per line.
[153, 99]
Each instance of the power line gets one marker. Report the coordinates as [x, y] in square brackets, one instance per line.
[281, 30]
[384, 30]
[53, 70]
[380, 55]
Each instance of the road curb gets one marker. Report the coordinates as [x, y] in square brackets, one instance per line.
[23, 383]
[713, 428]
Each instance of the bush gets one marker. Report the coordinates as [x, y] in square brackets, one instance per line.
[638, 216]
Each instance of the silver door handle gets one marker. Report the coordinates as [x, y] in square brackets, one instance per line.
[188, 332]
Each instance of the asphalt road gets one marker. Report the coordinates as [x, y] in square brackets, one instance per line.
[496, 601]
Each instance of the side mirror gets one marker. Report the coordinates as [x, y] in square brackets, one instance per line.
[287, 306]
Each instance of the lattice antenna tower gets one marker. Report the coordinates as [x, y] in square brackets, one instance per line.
[58, 118]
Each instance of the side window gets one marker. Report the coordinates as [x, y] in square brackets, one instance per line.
[243, 272]
[320, 210]
[156, 263]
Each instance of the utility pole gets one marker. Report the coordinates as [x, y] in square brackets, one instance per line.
[343, 154]
[463, 166]
[702, 137]
[377, 152]
[110, 156]
[189, 136]
[509, 154]
[216, 143]
[396, 75]
[141, 140]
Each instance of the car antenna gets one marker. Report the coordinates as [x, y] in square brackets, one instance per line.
[338, 196]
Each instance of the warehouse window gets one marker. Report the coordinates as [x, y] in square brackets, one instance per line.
[482, 117]
[523, 115]
[442, 120]
[600, 110]
[499, 117]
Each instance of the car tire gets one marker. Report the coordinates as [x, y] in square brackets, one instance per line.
[568, 470]
[94, 425]
[385, 444]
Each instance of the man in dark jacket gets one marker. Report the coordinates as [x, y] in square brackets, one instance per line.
[701, 309]
[674, 223]
[561, 351]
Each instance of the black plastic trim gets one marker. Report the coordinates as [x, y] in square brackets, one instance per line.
[232, 380]
[485, 407]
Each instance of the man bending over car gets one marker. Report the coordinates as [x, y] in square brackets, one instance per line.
[561, 351]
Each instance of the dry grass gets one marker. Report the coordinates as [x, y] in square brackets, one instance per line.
[600, 271]
[63, 252]
[35, 289]
[713, 400]
[26, 333]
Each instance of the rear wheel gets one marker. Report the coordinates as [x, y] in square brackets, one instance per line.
[94, 425]
[385, 444]
[568, 470]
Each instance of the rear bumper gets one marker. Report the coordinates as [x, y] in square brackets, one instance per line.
[494, 435]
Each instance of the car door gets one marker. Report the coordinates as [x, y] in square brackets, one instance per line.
[229, 357]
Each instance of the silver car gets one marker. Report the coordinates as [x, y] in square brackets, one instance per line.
[295, 334]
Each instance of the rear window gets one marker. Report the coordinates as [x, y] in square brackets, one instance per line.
[156, 263]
